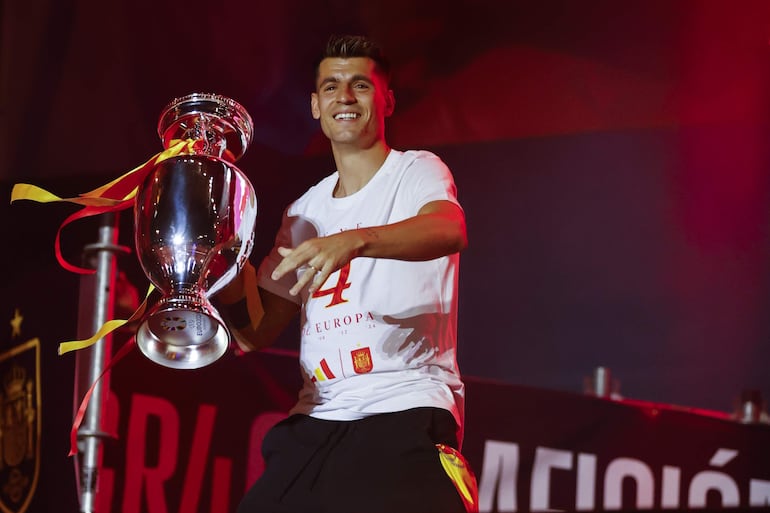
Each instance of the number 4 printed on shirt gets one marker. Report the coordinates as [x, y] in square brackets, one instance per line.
[336, 291]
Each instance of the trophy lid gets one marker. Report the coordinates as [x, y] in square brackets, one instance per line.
[180, 119]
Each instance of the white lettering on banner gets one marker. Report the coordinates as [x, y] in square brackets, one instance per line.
[672, 477]
[499, 471]
[623, 468]
[540, 487]
[759, 493]
[709, 480]
[586, 482]
[498, 481]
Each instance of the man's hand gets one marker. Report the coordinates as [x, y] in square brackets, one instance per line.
[319, 257]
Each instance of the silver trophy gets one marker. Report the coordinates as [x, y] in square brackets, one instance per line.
[194, 229]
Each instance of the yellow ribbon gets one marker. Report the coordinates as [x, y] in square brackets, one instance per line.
[104, 195]
[107, 328]
[116, 195]
[33, 192]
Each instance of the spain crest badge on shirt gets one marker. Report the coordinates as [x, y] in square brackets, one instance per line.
[362, 360]
[20, 425]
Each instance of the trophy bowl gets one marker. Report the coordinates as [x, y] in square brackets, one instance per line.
[194, 220]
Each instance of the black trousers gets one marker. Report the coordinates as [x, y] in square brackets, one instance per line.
[386, 463]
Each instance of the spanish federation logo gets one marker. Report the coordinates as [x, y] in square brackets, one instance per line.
[362, 360]
[19, 425]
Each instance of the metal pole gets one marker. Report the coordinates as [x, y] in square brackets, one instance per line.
[96, 306]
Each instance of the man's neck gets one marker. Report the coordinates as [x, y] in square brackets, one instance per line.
[357, 166]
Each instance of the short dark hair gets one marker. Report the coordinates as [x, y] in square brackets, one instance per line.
[347, 46]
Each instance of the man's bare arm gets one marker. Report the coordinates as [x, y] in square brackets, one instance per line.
[255, 316]
[437, 230]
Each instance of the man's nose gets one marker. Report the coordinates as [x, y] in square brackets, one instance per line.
[345, 95]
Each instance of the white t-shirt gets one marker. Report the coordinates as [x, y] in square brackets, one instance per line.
[380, 334]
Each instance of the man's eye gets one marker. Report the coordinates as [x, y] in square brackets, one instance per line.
[330, 88]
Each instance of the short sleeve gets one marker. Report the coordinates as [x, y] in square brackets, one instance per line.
[428, 179]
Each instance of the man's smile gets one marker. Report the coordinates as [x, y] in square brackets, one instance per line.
[347, 116]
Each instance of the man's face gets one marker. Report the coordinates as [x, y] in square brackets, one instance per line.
[352, 101]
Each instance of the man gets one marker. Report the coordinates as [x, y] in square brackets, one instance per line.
[369, 257]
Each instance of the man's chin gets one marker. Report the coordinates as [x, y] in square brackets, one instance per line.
[352, 138]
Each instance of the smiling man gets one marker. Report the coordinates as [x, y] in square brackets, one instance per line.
[369, 258]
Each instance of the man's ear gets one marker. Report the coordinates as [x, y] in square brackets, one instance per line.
[314, 106]
[390, 102]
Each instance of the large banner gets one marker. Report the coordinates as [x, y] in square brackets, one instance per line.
[541, 450]
[188, 441]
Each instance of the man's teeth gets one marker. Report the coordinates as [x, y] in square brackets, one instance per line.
[346, 115]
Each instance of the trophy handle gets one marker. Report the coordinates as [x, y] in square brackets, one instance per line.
[221, 124]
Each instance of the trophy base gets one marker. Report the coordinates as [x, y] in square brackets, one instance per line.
[182, 338]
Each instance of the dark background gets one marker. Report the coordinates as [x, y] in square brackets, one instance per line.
[611, 158]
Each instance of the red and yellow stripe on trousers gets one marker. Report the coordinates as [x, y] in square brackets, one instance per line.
[460, 473]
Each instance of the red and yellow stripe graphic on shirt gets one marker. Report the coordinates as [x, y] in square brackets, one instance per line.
[323, 372]
[462, 477]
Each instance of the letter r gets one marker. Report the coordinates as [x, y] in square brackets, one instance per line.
[138, 474]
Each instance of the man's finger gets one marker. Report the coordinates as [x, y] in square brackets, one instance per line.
[285, 266]
[318, 280]
[303, 280]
